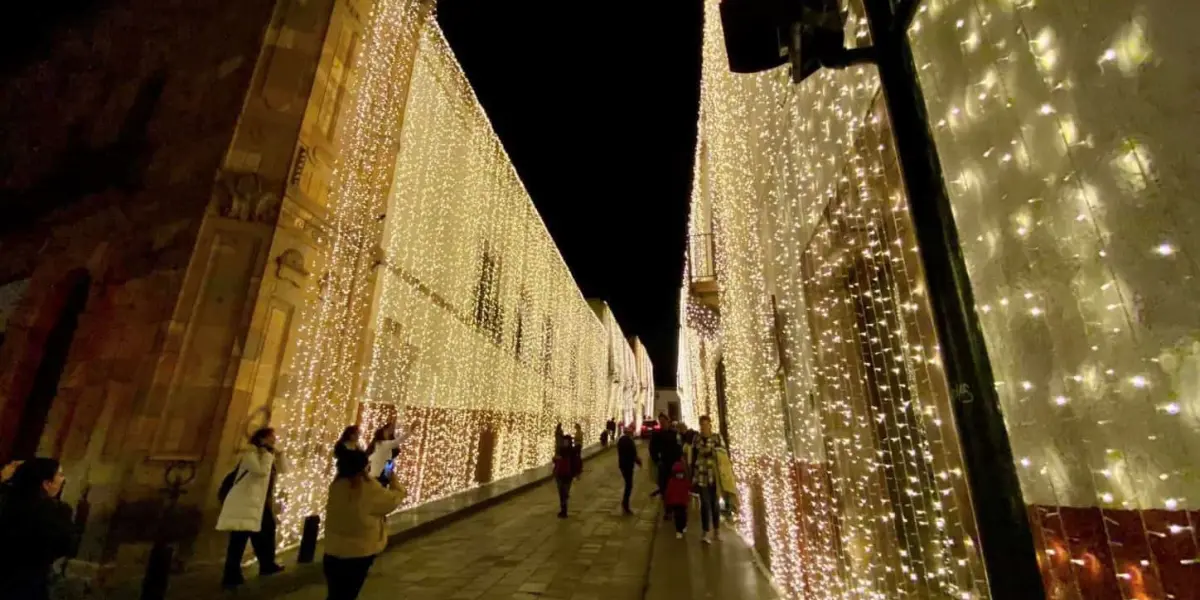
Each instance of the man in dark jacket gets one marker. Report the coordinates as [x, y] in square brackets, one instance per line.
[665, 450]
[627, 457]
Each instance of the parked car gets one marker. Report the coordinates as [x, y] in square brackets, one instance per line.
[649, 426]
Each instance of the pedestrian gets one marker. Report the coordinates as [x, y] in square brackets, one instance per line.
[611, 428]
[247, 510]
[385, 445]
[677, 495]
[36, 529]
[627, 457]
[564, 472]
[578, 435]
[604, 438]
[665, 451]
[355, 523]
[348, 442]
[706, 478]
[558, 435]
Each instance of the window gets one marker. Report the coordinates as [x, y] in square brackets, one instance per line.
[487, 296]
[335, 84]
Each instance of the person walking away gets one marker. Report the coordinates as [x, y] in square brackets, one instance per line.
[706, 478]
[385, 444]
[564, 472]
[247, 512]
[36, 529]
[355, 523]
[627, 457]
[665, 451]
[578, 435]
[677, 495]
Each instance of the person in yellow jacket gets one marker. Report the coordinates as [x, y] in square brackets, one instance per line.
[356, 523]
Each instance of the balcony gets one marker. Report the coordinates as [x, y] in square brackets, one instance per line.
[702, 272]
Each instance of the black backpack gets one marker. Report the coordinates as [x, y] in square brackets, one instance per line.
[230, 480]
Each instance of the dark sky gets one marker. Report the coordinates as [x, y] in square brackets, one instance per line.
[596, 104]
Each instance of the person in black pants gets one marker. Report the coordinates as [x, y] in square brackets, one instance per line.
[665, 451]
[627, 457]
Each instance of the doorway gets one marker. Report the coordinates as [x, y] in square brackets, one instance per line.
[36, 408]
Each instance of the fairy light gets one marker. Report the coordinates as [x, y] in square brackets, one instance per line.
[838, 413]
[444, 300]
[622, 369]
[1106, 220]
[643, 399]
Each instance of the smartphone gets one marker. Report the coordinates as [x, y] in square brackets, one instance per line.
[388, 468]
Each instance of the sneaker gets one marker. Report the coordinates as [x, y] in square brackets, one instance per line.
[270, 570]
[562, 515]
[678, 535]
[706, 539]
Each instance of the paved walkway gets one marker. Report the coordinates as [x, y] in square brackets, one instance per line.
[689, 570]
[520, 550]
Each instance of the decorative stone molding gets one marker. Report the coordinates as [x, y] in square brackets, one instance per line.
[241, 196]
[290, 267]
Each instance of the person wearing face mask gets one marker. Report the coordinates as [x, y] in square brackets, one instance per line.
[36, 529]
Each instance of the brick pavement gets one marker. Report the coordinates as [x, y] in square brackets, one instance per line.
[520, 550]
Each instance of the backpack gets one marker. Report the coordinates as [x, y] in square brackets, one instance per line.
[230, 480]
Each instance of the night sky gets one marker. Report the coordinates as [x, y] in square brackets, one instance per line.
[596, 104]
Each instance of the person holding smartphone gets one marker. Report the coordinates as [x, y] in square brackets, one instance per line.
[356, 523]
[385, 445]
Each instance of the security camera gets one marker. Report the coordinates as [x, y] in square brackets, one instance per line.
[764, 34]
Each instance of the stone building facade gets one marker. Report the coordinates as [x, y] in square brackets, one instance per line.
[164, 167]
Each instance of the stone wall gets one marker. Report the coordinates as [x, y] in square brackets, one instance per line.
[113, 134]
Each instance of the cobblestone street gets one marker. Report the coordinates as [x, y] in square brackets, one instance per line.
[519, 550]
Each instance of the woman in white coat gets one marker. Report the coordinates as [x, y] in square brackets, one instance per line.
[247, 513]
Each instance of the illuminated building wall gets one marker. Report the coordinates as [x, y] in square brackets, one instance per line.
[445, 303]
[850, 480]
[644, 395]
[622, 366]
[1067, 133]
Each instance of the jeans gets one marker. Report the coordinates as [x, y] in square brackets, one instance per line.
[680, 513]
[564, 492]
[627, 474]
[345, 576]
[710, 509]
[263, 542]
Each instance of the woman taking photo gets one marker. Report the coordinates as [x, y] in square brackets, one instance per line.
[35, 527]
[356, 523]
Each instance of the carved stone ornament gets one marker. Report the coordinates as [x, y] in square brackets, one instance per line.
[290, 267]
[241, 196]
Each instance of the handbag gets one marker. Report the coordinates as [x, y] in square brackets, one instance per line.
[229, 481]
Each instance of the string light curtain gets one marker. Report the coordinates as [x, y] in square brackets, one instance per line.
[622, 366]
[849, 472]
[1067, 132]
[447, 305]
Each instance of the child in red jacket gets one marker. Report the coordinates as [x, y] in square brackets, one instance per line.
[678, 494]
